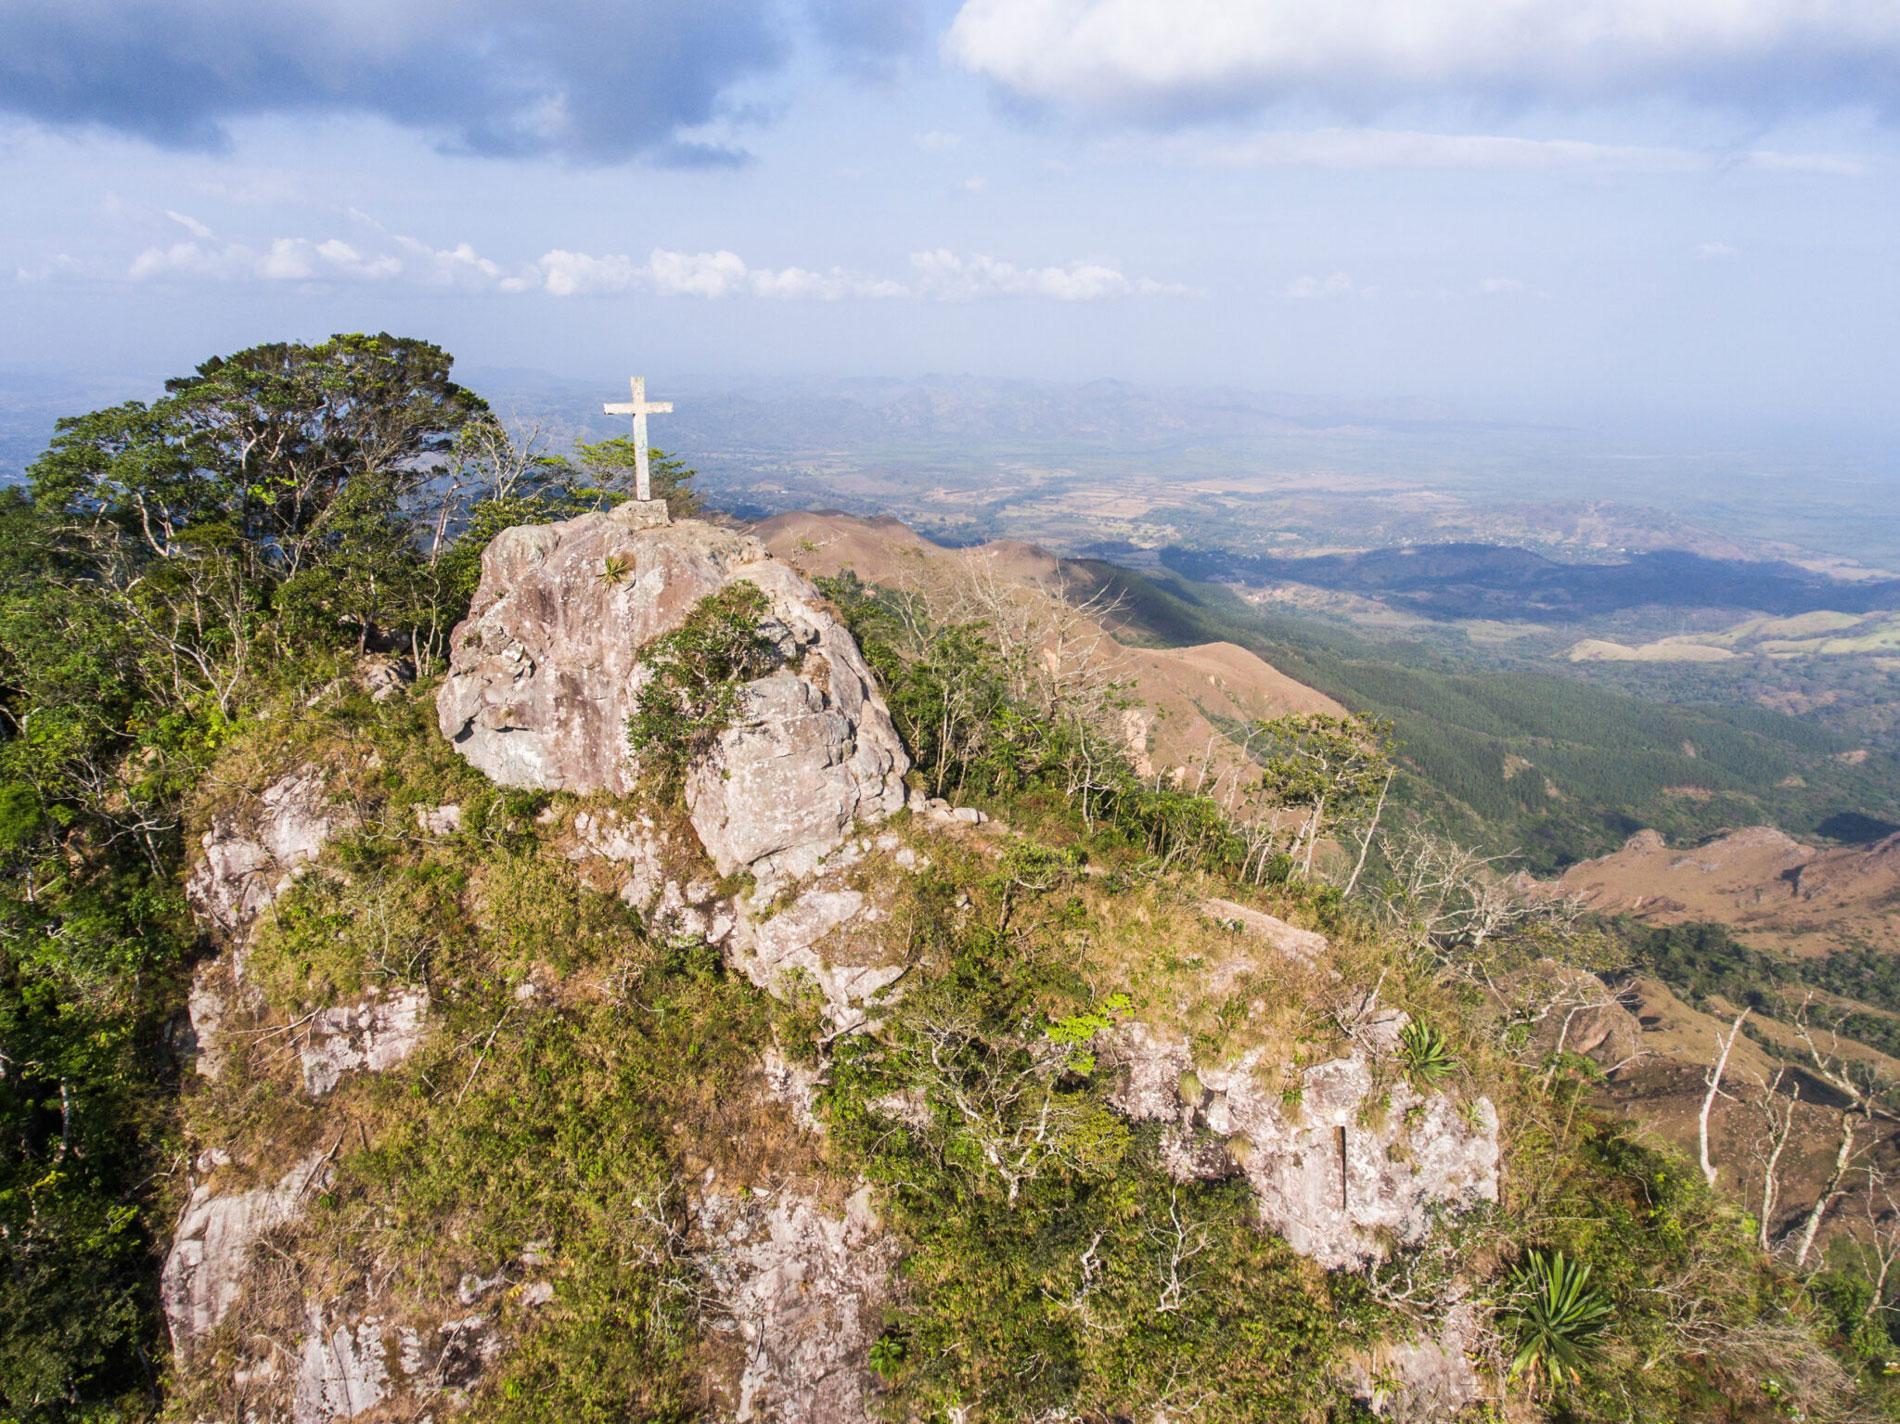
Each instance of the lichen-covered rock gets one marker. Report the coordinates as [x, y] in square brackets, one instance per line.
[827, 936]
[252, 853]
[205, 1008]
[1306, 947]
[344, 1369]
[376, 1035]
[341, 1372]
[210, 1254]
[546, 669]
[1576, 1012]
[1423, 1380]
[802, 1287]
[1341, 1166]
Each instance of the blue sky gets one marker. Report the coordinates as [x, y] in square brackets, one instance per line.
[1595, 211]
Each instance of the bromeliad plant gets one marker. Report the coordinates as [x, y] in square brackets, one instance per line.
[1425, 1055]
[1556, 1315]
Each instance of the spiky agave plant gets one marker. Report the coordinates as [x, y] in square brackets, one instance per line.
[1426, 1056]
[1556, 1315]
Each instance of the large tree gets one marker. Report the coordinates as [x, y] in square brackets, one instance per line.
[286, 474]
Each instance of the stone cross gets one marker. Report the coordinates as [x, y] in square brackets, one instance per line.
[640, 408]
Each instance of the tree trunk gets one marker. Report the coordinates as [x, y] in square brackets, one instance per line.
[1812, 1226]
[1723, 1046]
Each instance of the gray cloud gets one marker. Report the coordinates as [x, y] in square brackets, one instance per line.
[587, 80]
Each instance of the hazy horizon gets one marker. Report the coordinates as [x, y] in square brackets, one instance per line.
[1572, 219]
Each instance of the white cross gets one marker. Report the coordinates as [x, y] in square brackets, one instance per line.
[640, 408]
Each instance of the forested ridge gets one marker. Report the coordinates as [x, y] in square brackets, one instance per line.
[1598, 764]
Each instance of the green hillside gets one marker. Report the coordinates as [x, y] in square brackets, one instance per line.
[1600, 764]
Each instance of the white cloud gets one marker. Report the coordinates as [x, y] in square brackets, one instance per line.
[939, 275]
[1169, 57]
[62, 264]
[696, 274]
[572, 274]
[797, 284]
[1715, 251]
[299, 259]
[945, 276]
[937, 141]
[458, 266]
[1499, 287]
[189, 224]
[1334, 284]
[1368, 149]
[710, 275]
[975, 183]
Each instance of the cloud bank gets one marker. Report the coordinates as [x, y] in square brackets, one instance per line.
[1168, 59]
[938, 275]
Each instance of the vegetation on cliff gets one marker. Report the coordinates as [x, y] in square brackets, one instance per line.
[202, 593]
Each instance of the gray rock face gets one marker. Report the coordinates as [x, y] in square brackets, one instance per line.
[812, 936]
[803, 1289]
[210, 1253]
[376, 1034]
[345, 1370]
[1423, 1380]
[1342, 1170]
[546, 669]
[341, 1372]
[207, 1005]
[1307, 947]
[253, 853]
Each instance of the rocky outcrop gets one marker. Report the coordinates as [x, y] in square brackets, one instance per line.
[546, 669]
[822, 937]
[1342, 1165]
[252, 853]
[344, 1370]
[802, 1288]
[205, 1008]
[1307, 948]
[376, 1035]
[1578, 1013]
[1424, 1379]
[210, 1255]
[341, 1372]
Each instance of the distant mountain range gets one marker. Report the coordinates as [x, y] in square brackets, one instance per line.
[1460, 580]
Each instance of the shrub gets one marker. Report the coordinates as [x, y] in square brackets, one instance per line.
[696, 673]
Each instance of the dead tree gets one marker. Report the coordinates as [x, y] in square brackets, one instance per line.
[1714, 1079]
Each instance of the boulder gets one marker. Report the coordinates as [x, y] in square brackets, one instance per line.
[802, 1287]
[546, 669]
[205, 1007]
[341, 1372]
[345, 1370]
[210, 1254]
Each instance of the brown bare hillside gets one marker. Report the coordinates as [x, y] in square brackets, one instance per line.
[1766, 886]
[1182, 692]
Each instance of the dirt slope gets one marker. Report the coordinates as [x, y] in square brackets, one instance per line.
[1183, 692]
[1765, 885]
